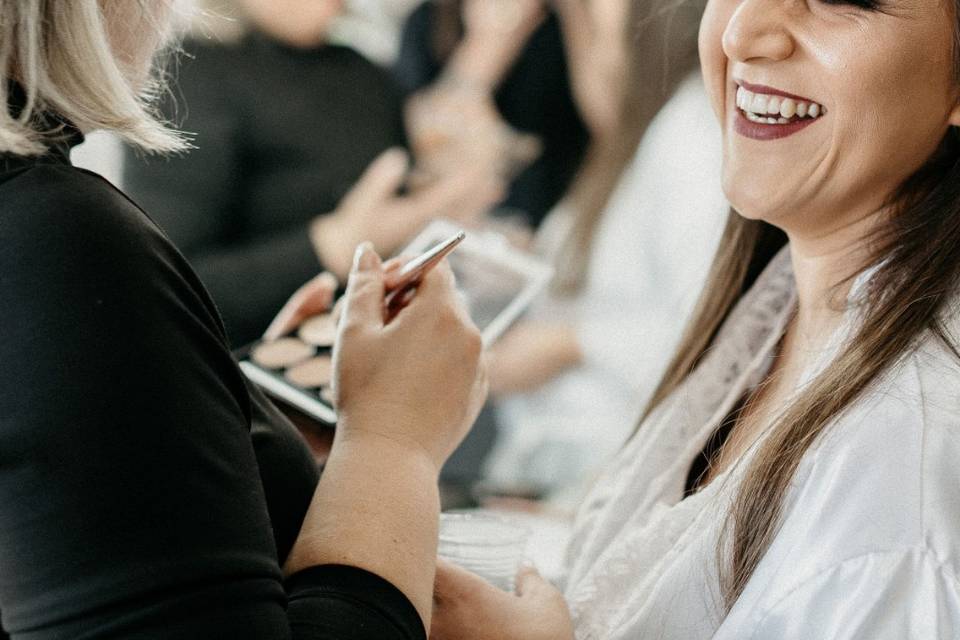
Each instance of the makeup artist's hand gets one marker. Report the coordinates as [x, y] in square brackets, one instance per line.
[372, 211]
[417, 382]
[467, 607]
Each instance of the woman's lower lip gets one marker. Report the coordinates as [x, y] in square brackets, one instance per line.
[759, 131]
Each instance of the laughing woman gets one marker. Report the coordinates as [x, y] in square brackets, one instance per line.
[796, 475]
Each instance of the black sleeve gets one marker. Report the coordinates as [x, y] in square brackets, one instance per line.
[335, 602]
[416, 66]
[131, 500]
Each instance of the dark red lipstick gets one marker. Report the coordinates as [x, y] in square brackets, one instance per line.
[763, 131]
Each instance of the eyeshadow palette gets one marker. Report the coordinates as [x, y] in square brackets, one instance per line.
[297, 369]
[497, 281]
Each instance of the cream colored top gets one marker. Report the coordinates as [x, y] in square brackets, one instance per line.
[870, 540]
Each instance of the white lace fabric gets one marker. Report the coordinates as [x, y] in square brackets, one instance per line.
[642, 562]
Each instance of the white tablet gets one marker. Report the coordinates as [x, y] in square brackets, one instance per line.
[497, 280]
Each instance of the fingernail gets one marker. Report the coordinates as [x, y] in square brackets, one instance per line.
[363, 259]
[330, 280]
[397, 159]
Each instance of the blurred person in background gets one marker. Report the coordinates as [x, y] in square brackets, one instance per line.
[490, 77]
[299, 158]
[630, 244]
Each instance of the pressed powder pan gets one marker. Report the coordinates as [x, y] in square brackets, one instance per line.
[319, 331]
[313, 373]
[281, 353]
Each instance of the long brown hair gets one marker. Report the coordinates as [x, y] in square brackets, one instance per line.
[907, 299]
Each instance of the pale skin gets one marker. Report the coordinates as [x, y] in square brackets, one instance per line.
[825, 186]
[298, 23]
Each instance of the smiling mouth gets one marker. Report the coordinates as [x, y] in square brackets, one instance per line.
[763, 105]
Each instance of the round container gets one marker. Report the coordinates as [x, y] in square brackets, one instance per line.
[313, 373]
[490, 545]
[320, 331]
[281, 353]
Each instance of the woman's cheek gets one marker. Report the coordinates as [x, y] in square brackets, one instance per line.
[712, 58]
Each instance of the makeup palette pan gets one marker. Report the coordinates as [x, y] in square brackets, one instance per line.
[297, 369]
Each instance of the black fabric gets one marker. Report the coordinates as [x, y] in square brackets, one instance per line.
[145, 490]
[700, 467]
[535, 97]
[281, 134]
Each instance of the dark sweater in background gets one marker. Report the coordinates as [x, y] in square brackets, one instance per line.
[146, 490]
[535, 97]
[281, 134]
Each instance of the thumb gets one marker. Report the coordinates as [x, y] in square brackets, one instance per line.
[365, 290]
[379, 181]
[528, 580]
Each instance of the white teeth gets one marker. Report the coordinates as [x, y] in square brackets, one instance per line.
[757, 106]
[759, 103]
[789, 108]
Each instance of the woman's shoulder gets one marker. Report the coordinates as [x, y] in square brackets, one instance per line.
[52, 199]
[65, 214]
[73, 237]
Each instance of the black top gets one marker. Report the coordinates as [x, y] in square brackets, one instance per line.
[145, 490]
[281, 134]
[535, 97]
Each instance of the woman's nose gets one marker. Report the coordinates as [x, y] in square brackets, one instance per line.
[759, 29]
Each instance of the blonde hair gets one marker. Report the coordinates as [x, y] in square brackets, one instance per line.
[65, 57]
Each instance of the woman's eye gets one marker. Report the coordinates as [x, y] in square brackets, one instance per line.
[863, 4]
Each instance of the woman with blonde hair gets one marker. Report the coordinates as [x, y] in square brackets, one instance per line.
[146, 490]
[796, 473]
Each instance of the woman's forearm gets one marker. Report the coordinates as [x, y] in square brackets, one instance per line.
[376, 507]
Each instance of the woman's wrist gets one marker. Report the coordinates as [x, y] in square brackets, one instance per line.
[370, 443]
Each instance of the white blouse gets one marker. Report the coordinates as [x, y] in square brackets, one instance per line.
[869, 546]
